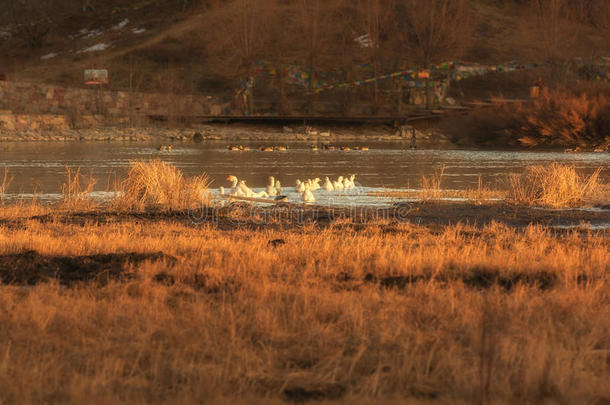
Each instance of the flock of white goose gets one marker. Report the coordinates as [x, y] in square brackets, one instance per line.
[274, 188]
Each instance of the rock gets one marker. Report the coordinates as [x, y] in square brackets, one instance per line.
[197, 137]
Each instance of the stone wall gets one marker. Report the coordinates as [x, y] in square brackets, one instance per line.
[33, 98]
[33, 122]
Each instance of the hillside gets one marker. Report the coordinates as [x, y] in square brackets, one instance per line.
[182, 46]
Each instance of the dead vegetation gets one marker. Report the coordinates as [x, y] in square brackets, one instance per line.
[7, 179]
[448, 315]
[156, 184]
[75, 192]
[566, 119]
[556, 186]
[151, 304]
[558, 118]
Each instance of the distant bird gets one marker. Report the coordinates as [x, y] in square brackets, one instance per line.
[328, 186]
[278, 187]
[338, 184]
[267, 148]
[234, 182]
[300, 186]
[243, 190]
[271, 186]
[349, 182]
[307, 195]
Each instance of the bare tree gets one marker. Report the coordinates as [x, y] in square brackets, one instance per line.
[237, 36]
[377, 21]
[549, 33]
[435, 30]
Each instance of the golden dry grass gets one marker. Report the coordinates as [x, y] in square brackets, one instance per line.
[7, 179]
[75, 191]
[556, 186]
[399, 312]
[563, 118]
[157, 184]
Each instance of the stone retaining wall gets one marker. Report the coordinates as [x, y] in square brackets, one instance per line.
[33, 98]
[33, 122]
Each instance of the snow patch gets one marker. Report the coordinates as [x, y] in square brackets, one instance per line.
[95, 48]
[138, 30]
[85, 33]
[48, 56]
[121, 25]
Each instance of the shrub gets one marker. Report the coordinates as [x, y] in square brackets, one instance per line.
[554, 186]
[156, 184]
[566, 119]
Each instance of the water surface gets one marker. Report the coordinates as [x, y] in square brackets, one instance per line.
[40, 167]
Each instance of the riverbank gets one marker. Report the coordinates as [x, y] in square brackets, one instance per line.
[428, 138]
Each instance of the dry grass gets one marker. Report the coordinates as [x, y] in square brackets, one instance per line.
[414, 314]
[75, 191]
[156, 184]
[563, 118]
[7, 179]
[483, 193]
[431, 186]
[557, 118]
[556, 186]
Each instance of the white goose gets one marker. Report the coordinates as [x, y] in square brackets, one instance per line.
[247, 191]
[351, 181]
[338, 184]
[271, 190]
[278, 187]
[260, 194]
[308, 195]
[300, 187]
[315, 184]
[328, 186]
[234, 182]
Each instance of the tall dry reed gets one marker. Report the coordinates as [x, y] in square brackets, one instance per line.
[75, 192]
[159, 185]
[7, 179]
[431, 186]
[556, 186]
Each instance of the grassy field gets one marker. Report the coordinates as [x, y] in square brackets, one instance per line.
[138, 310]
[130, 304]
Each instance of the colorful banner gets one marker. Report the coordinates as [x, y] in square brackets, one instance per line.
[414, 77]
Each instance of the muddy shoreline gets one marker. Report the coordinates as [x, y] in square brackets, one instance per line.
[432, 215]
